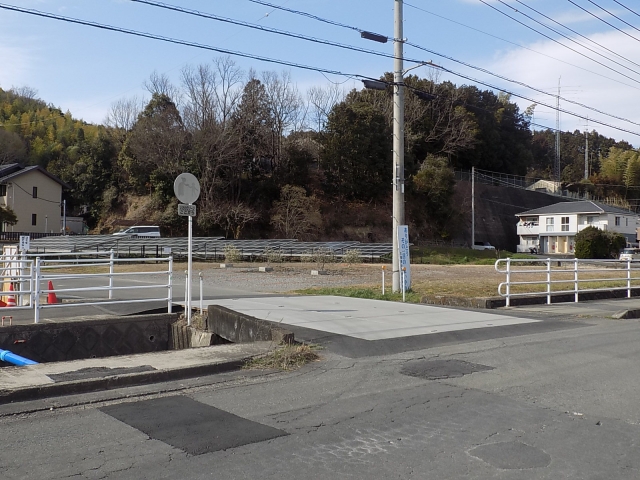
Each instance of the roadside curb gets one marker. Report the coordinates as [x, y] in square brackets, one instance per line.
[118, 381]
[626, 314]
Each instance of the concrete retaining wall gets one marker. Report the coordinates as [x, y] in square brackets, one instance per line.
[88, 337]
[497, 302]
[239, 328]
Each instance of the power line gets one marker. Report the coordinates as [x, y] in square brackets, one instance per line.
[523, 47]
[602, 20]
[565, 36]
[577, 33]
[517, 82]
[362, 50]
[624, 6]
[268, 29]
[178, 41]
[615, 16]
[556, 41]
[308, 15]
[298, 12]
[276, 61]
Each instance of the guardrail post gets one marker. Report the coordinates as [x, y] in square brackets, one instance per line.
[111, 260]
[36, 291]
[628, 278]
[383, 269]
[575, 278]
[508, 297]
[170, 286]
[548, 281]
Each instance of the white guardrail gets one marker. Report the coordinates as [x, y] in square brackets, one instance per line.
[525, 276]
[25, 279]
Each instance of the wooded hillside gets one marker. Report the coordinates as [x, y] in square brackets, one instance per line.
[274, 162]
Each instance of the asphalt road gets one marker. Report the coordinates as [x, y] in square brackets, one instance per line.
[542, 405]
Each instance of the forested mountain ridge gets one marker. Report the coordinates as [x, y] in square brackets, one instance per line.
[272, 162]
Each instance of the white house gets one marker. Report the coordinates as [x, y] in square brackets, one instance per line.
[553, 229]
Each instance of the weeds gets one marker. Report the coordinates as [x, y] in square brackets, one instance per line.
[231, 253]
[285, 357]
[359, 292]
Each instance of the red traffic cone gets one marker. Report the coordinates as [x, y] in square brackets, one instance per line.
[11, 299]
[51, 297]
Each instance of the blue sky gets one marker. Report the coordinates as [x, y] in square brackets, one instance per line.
[84, 70]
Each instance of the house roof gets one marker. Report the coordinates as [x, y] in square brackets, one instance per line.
[12, 170]
[585, 206]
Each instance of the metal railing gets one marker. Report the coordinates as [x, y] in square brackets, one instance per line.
[549, 277]
[29, 277]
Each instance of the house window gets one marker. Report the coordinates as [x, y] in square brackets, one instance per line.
[550, 224]
[35, 192]
[565, 224]
[617, 221]
[34, 218]
[3, 190]
[591, 220]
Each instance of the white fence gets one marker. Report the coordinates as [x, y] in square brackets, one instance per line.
[548, 277]
[25, 279]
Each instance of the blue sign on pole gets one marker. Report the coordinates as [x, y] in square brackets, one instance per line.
[403, 255]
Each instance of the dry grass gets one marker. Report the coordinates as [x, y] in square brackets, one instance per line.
[284, 357]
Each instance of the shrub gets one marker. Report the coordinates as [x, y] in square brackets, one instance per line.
[273, 255]
[352, 256]
[595, 243]
[231, 253]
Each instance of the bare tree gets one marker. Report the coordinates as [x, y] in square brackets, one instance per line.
[160, 84]
[323, 99]
[212, 93]
[123, 113]
[231, 216]
[228, 89]
[295, 215]
[285, 104]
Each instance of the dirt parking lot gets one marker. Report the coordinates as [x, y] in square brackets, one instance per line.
[462, 280]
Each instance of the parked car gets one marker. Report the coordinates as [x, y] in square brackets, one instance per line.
[148, 231]
[630, 254]
[483, 246]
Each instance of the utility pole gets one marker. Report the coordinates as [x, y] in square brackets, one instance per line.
[556, 166]
[586, 152]
[473, 206]
[398, 139]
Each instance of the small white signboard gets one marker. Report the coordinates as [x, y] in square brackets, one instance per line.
[403, 255]
[25, 242]
[186, 210]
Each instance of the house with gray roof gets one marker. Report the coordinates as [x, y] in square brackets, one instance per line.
[552, 229]
[35, 196]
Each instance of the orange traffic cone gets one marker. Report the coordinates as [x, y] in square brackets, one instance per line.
[11, 299]
[51, 298]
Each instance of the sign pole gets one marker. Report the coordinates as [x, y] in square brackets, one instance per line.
[190, 267]
[187, 189]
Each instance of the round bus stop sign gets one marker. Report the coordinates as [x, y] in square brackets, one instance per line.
[187, 188]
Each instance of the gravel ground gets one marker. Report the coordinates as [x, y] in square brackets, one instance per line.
[464, 280]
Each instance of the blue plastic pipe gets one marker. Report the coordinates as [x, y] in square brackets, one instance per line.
[7, 356]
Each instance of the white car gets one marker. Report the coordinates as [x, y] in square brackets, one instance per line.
[630, 254]
[152, 231]
[483, 246]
